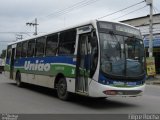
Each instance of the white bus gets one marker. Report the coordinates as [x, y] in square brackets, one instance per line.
[96, 59]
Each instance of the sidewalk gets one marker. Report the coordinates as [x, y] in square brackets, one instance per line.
[153, 80]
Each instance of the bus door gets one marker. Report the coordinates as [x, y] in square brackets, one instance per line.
[12, 62]
[83, 62]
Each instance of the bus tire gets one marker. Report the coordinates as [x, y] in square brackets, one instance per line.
[18, 80]
[62, 89]
[101, 98]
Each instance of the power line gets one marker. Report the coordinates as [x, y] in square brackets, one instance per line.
[59, 11]
[69, 9]
[155, 8]
[14, 32]
[130, 12]
[62, 10]
[5, 41]
[121, 10]
[18, 32]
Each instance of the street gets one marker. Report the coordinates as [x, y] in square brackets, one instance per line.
[38, 100]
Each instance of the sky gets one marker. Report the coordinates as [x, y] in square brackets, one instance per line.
[57, 14]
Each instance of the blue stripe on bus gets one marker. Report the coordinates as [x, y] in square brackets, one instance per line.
[55, 59]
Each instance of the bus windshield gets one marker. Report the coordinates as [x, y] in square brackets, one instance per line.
[121, 55]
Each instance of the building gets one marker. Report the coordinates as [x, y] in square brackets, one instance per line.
[143, 24]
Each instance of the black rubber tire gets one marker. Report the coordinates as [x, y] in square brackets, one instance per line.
[62, 89]
[18, 80]
[101, 98]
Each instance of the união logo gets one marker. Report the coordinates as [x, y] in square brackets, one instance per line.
[38, 66]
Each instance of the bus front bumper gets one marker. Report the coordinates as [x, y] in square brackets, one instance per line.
[99, 90]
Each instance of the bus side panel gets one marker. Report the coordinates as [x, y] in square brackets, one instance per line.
[46, 81]
[47, 65]
[71, 84]
[43, 70]
[40, 80]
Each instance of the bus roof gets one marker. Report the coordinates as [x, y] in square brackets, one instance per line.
[93, 22]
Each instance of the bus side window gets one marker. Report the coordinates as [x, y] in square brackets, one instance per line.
[51, 45]
[18, 50]
[67, 42]
[24, 49]
[9, 49]
[31, 48]
[40, 46]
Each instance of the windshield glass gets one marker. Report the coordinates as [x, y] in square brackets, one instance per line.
[121, 56]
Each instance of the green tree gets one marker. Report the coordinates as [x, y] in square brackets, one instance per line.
[3, 54]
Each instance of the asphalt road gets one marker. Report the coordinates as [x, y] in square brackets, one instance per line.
[39, 100]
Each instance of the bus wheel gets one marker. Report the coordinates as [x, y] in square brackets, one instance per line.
[62, 89]
[18, 80]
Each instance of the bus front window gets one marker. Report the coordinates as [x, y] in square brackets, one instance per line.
[121, 56]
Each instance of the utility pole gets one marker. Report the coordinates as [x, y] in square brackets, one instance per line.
[150, 49]
[19, 37]
[150, 61]
[35, 24]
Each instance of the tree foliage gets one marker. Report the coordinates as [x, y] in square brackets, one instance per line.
[3, 54]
